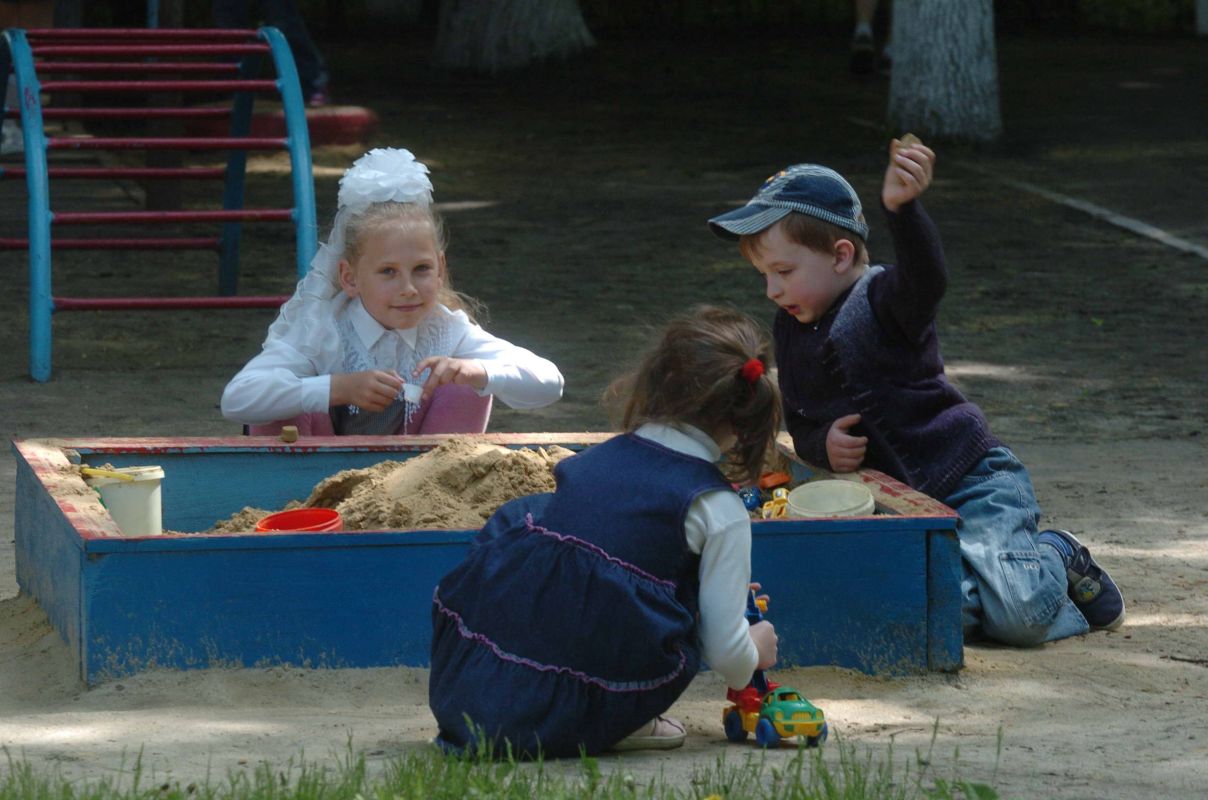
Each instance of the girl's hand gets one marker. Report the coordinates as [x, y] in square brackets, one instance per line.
[908, 174]
[846, 452]
[766, 642]
[466, 371]
[372, 390]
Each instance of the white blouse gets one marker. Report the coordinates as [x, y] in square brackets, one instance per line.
[718, 528]
[281, 382]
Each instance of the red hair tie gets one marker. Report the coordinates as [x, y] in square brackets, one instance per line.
[752, 370]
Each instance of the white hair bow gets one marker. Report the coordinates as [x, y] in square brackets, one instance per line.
[385, 175]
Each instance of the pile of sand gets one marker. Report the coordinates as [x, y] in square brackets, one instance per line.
[456, 485]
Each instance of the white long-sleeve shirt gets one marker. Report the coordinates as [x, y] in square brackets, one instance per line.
[718, 528]
[281, 382]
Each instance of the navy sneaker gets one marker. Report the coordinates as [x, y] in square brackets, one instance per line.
[1091, 588]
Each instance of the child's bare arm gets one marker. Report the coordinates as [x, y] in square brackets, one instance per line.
[372, 390]
[911, 164]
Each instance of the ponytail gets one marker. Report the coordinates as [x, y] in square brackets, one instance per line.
[708, 369]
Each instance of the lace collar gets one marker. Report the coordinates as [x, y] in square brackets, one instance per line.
[369, 330]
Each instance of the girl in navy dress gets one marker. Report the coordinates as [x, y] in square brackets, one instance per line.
[579, 617]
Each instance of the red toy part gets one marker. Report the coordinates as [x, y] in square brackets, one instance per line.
[749, 699]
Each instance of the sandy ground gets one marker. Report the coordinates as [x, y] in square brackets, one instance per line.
[1106, 715]
[1082, 342]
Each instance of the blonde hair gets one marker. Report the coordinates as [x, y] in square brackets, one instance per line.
[411, 217]
[698, 373]
[816, 234]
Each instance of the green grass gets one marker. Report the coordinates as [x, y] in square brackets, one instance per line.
[428, 775]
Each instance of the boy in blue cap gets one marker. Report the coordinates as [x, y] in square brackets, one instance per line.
[863, 385]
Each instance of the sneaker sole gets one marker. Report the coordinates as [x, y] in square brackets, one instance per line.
[1114, 624]
[649, 743]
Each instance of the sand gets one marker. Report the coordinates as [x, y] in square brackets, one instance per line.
[456, 485]
[1133, 703]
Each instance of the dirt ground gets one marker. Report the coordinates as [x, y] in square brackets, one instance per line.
[577, 198]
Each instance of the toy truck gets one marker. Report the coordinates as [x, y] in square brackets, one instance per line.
[770, 711]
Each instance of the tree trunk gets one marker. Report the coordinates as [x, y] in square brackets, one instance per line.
[505, 34]
[944, 80]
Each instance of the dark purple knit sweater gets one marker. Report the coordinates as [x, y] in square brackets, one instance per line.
[875, 352]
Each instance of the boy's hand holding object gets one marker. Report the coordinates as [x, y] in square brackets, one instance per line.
[909, 172]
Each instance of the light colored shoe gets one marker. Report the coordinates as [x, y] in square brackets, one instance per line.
[11, 139]
[661, 733]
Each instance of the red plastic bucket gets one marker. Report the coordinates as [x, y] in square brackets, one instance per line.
[302, 519]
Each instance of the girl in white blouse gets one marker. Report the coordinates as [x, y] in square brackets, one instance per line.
[375, 340]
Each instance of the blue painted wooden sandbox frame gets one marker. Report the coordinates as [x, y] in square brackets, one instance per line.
[879, 594]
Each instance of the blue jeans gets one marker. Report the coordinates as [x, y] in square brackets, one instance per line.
[1013, 590]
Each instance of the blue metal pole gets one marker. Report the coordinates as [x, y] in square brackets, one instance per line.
[152, 13]
[37, 182]
[236, 174]
[306, 229]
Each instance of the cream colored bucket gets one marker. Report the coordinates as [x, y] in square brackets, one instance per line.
[831, 498]
[131, 494]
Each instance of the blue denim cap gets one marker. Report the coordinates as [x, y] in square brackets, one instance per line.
[809, 189]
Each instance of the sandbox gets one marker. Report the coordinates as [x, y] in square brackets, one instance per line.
[879, 593]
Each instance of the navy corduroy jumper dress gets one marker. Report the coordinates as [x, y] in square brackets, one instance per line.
[573, 620]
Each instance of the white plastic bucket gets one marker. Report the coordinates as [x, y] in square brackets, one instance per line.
[134, 504]
[831, 498]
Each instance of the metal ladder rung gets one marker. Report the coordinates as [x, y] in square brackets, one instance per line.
[252, 85]
[165, 303]
[178, 112]
[157, 50]
[128, 34]
[157, 217]
[137, 66]
[181, 243]
[166, 143]
[133, 173]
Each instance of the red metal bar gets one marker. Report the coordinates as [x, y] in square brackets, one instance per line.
[133, 113]
[156, 303]
[161, 86]
[177, 243]
[126, 34]
[177, 143]
[219, 215]
[45, 67]
[135, 173]
[159, 50]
